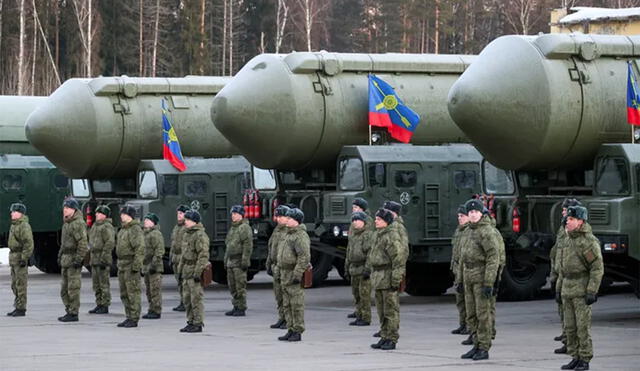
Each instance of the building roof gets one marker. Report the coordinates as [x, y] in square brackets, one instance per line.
[582, 14]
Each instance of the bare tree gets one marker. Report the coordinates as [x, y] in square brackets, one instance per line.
[230, 37]
[282, 13]
[21, 50]
[83, 10]
[225, 20]
[310, 10]
[141, 38]
[154, 57]
[34, 50]
[1, 7]
[520, 14]
[46, 45]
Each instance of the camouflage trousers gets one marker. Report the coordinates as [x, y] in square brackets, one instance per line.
[293, 306]
[277, 292]
[130, 292]
[361, 290]
[493, 316]
[178, 280]
[479, 317]
[237, 281]
[101, 285]
[388, 306]
[462, 310]
[577, 327]
[192, 294]
[70, 289]
[153, 285]
[561, 314]
[19, 286]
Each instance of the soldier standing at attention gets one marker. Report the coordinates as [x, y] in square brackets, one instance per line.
[102, 241]
[73, 249]
[480, 260]
[20, 249]
[457, 241]
[177, 236]
[130, 252]
[237, 259]
[277, 236]
[153, 265]
[579, 277]
[194, 259]
[294, 255]
[360, 240]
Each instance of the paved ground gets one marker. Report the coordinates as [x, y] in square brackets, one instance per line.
[525, 333]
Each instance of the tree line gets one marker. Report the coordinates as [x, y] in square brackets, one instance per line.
[44, 42]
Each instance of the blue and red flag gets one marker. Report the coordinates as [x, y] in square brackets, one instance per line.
[170, 145]
[633, 100]
[387, 110]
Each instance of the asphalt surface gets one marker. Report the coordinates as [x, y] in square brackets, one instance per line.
[524, 341]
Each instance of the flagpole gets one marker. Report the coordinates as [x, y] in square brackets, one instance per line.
[370, 134]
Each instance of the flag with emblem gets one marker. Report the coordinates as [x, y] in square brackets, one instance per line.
[633, 100]
[170, 145]
[387, 110]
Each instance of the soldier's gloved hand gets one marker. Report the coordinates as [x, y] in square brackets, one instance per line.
[23, 263]
[558, 297]
[270, 271]
[244, 267]
[152, 271]
[196, 279]
[77, 265]
[179, 277]
[295, 281]
[366, 275]
[590, 299]
[460, 288]
[104, 266]
[487, 292]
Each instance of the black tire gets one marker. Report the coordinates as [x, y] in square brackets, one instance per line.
[338, 263]
[219, 273]
[45, 252]
[523, 277]
[424, 279]
[322, 264]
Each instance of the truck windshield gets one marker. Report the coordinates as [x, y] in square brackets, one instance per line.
[147, 184]
[80, 188]
[612, 177]
[351, 174]
[263, 178]
[497, 181]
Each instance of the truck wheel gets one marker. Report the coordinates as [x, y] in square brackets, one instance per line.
[322, 264]
[523, 277]
[338, 263]
[45, 252]
[424, 279]
[219, 273]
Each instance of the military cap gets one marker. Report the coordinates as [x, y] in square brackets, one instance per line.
[193, 216]
[392, 206]
[570, 202]
[361, 203]
[281, 210]
[385, 214]
[296, 214]
[19, 207]
[578, 212]
[182, 208]
[359, 215]
[128, 210]
[153, 217]
[462, 210]
[104, 210]
[71, 203]
[474, 204]
[239, 209]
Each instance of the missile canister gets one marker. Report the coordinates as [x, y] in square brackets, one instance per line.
[546, 102]
[293, 111]
[101, 128]
[15, 110]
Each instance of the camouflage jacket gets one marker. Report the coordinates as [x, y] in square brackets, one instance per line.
[398, 224]
[580, 264]
[561, 241]
[74, 244]
[153, 250]
[294, 254]
[130, 246]
[277, 236]
[102, 240]
[20, 241]
[239, 245]
[360, 241]
[195, 252]
[460, 237]
[386, 259]
[177, 235]
[480, 256]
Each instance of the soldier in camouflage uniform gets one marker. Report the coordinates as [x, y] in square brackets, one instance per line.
[237, 259]
[387, 262]
[501, 263]
[153, 265]
[73, 249]
[20, 249]
[176, 250]
[102, 241]
[194, 259]
[360, 241]
[579, 277]
[294, 255]
[359, 204]
[480, 262]
[130, 252]
[459, 237]
[277, 236]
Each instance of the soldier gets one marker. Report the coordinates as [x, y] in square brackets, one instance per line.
[130, 252]
[480, 260]
[387, 262]
[359, 204]
[73, 249]
[561, 237]
[579, 277]
[102, 241]
[194, 259]
[21, 247]
[237, 259]
[457, 240]
[294, 256]
[501, 263]
[360, 240]
[177, 236]
[277, 236]
[153, 265]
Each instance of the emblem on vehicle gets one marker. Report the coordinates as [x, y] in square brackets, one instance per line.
[404, 198]
[195, 205]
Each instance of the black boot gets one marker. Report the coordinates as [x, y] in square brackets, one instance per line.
[19, 313]
[459, 330]
[94, 310]
[480, 355]
[121, 324]
[277, 324]
[239, 313]
[194, 328]
[571, 365]
[152, 315]
[295, 336]
[582, 365]
[376, 335]
[130, 323]
[68, 318]
[559, 337]
[283, 326]
[231, 312]
[465, 331]
[179, 308]
[103, 309]
[468, 341]
[379, 344]
[359, 322]
[469, 354]
[10, 314]
[186, 328]
[352, 315]
[388, 345]
[285, 337]
[561, 350]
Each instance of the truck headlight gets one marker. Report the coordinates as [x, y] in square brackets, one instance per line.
[336, 231]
